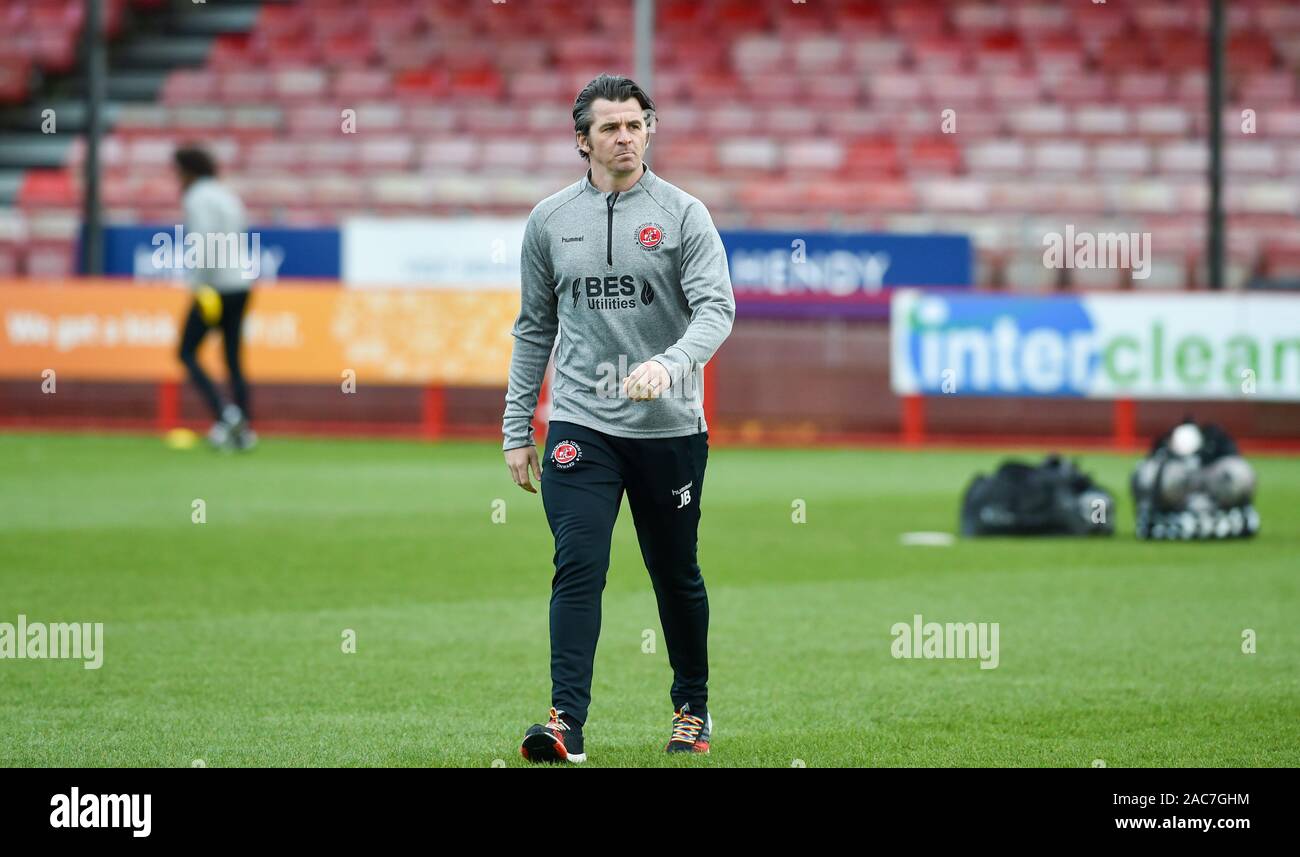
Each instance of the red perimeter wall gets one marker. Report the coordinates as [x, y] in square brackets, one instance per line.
[773, 381]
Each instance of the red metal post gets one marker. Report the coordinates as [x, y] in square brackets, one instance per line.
[433, 416]
[1124, 424]
[913, 425]
[169, 405]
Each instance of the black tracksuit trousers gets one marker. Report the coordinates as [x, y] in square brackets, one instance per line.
[234, 306]
[584, 475]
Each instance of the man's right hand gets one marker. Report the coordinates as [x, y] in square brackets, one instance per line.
[520, 460]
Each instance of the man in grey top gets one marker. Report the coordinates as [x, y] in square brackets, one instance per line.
[631, 274]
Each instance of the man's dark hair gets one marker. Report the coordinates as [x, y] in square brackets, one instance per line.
[195, 161]
[611, 87]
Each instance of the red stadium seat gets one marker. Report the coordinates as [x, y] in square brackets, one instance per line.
[936, 155]
[695, 153]
[760, 55]
[949, 89]
[47, 188]
[457, 153]
[872, 157]
[299, 84]
[1041, 120]
[941, 53]
[731, 120]
[747, 154]
[1013, 88]
[51, 259]
[1180, 50]
[819, 55]
[954, 195]
[813, 156]
[1059, 52]
[347, 49]
[787, 121]
[1059, 156]
[1143, 87]
[774, 89]
[877, 52]
[15, 72]
[997, 156]
[1250, 52]
[1168, 120]
[919, 20]
[1252, 157]
[1122, 157]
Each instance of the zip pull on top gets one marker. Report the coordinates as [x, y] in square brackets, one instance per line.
[609, 229]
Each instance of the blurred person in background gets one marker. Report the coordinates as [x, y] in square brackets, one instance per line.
[221, 294]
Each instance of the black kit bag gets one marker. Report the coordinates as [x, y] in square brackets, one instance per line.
[1053, 498]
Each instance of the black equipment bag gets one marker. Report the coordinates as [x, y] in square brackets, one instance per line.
[1052, 498]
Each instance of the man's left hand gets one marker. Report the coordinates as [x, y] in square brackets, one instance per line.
[647, 381]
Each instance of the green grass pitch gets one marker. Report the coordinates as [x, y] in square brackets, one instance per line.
[223, 640]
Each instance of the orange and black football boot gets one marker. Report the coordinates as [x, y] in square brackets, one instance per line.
[560, 740]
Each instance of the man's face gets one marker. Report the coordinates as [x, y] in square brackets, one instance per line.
[617, 137]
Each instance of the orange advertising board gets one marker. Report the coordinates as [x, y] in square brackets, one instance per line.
[113, 330]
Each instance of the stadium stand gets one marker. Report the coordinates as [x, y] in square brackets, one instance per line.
[1065, 112]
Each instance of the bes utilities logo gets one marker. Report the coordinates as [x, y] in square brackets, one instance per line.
[1225, 346]
[611, 292]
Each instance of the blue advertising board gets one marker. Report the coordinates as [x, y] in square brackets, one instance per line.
[285, 252]
[828, 274]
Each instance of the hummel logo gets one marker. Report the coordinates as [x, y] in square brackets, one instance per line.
[571, 240]
[683, 494]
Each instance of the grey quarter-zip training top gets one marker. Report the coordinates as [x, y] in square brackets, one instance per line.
[622, 277]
